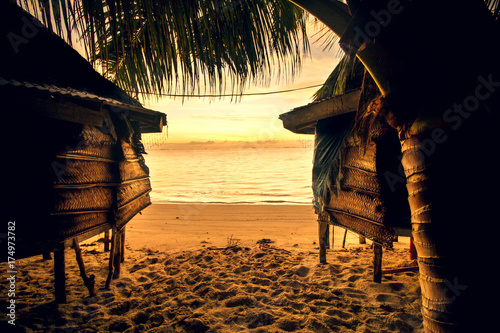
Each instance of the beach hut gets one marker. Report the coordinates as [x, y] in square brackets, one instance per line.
[352, 182]
[72, 157]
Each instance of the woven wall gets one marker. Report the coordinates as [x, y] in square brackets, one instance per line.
[362, 200]
[79, 180]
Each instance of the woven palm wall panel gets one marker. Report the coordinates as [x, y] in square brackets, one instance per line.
[359, 197]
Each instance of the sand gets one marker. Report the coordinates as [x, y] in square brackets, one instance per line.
[205, 268]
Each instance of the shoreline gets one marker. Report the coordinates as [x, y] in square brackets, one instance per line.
[264, 203]
[171, 227]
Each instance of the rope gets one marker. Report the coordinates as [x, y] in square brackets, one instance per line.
[230, 95]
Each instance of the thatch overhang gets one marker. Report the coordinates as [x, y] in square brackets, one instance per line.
[303, 119]
[77, 106]
[35, 62]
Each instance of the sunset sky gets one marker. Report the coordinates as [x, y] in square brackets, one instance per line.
[253, 118]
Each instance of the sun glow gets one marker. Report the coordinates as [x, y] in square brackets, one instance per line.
[251, 119]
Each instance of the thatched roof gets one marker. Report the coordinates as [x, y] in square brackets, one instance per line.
[34, 61]
[303, 119]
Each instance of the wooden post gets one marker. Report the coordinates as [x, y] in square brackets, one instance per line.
[345, 236]
[362, 239]
[377, 262]
[59, 274]
[323, 239]
[89, 282]
[117, 256]
[413, 250]
[332, 243]
[122, 257]
[327, 236]
[106, 241]
[111, 259]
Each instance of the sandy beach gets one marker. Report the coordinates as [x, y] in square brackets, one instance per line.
[222, 268]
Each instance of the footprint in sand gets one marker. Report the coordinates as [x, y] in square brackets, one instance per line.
[389, 298]
[259, 319]
[354, 278]
[288, 325]
[396, 286]
[140, 317]
[238, 301]
[301, 271]
[142, 279]
[137, 267]
[339, 313]
[119, 308]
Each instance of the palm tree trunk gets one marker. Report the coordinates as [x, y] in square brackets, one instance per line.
[449, 171]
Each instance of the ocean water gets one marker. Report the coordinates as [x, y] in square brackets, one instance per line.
[231, 175]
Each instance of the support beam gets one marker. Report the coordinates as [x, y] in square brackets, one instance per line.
[122, 257]
[345, 237]
[111, 259]
[59, 274]
[323, 240]
[117, 258]
[332, 243]
[377, 262]
[327, 236]
[106, 241]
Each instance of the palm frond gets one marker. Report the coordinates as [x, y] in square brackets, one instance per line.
[324, 36]
[347, 75]
[494, 8]
[154, 47]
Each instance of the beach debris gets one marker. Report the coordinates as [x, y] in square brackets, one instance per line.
[232, 242]
[265, 241]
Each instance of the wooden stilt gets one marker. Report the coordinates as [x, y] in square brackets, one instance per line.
[117, 254]
[332, 243]
[88, 281]
[327, 236]
[111, 259]
[377, 262]
[323, 239]
[362, 239]
[122, 257]
[59, 275]
[106, 241]
[345, 236]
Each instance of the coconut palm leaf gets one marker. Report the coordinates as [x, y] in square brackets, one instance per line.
[154, 47]
[347, 75]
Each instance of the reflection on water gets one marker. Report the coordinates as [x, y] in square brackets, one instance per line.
[231, 175]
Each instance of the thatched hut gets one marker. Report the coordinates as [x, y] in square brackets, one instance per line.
[73, 161]
[351, 186]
